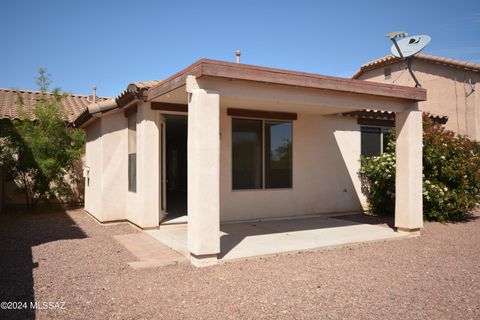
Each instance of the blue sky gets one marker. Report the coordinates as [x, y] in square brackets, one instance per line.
[113, 43]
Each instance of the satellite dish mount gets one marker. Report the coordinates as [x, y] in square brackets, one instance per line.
[406, 47]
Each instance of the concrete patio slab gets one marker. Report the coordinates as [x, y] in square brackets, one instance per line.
[175, 220]
[251, 239]
[148, 251]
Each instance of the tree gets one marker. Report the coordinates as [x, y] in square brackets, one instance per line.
[38, 153]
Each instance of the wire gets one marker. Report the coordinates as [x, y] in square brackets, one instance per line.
[401, 73]
[466, 101]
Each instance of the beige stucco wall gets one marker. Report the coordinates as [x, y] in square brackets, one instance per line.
[106, 158]
[93, 161]
[106, 193]
[448, 89]
[326, 152]
[143, 205]
[114, 162]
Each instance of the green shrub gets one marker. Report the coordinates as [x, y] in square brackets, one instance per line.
[37, 154]
[451, 176]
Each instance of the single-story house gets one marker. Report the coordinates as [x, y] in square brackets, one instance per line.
[452, 87]
[235, 142]
[15, 103]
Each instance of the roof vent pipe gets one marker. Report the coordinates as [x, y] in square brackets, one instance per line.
[237, 54]
[94, 97]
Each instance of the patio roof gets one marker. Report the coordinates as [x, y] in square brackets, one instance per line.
[153, 89]
[235, 71]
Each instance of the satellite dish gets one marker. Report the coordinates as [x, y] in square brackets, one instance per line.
[405, 47]
[409, 46]
[396, 34]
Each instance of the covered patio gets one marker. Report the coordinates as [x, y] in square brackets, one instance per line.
[245, 240]
[217, 92]
[238, 119]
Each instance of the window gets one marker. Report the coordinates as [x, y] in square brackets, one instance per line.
[261, 154]
[388, 73]
[247, 154]
[132, 152]
[278, 154]
[374, 140]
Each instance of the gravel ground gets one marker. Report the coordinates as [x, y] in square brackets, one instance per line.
[68, 257]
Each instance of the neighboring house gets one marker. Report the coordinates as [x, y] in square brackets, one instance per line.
[238, 142]
[15, 102]
[452, 87]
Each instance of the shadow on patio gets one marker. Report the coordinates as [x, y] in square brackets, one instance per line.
[249, 239]
[281, 236]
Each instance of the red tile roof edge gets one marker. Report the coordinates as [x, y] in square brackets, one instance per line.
[390, 59]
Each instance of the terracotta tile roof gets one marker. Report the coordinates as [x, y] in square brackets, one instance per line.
[390, 59]
[135, 90]
[11, 108]
[145, 84]
[373, 114]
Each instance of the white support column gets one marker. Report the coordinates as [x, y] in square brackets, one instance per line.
[408, 185]
[203, 174]
[148, 162]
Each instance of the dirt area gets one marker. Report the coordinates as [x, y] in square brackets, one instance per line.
[68, 257]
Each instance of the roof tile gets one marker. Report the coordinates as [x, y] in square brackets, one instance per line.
[388, 115]
[435, 59]
[11, 107]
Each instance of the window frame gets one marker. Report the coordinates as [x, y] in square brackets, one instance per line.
[132, 185]
[383, 130]
[387, 73]
[263, 120]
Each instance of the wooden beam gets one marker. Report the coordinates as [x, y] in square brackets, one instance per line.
[261, 114]
[128, 112]
[169, 107]
[376, 122]
[175, 81]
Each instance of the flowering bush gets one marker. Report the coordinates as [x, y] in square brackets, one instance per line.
[378, 181]
[451, 176]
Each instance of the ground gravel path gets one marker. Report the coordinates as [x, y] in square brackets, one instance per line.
[69, 257]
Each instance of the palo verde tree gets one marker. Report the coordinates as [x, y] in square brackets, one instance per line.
[38, 152]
